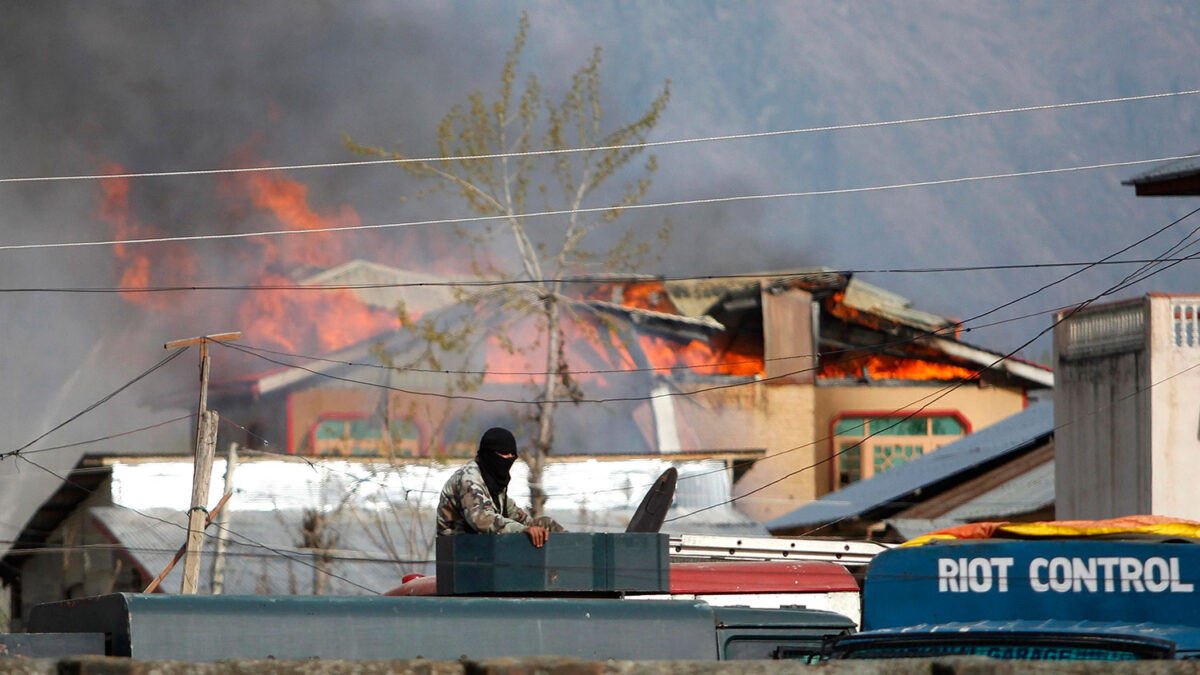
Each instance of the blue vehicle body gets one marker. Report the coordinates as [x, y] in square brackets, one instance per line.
[1059, 599]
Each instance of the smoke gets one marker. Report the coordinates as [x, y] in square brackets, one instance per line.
[157, 86]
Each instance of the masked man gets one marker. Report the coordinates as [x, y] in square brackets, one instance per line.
[475, 499]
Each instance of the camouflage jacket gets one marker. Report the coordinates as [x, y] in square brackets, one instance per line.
[465, 506]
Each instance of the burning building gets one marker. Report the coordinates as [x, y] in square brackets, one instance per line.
[804, 381]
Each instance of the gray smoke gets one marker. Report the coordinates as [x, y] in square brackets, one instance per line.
[159, 86]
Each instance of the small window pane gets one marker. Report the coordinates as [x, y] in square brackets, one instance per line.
[898, 426]
[368, 428]
[888, 456]
[946, 426]
[330, 430]
[849, 464]
[851, 426]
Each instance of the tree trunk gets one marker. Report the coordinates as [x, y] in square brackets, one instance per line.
[545, 413]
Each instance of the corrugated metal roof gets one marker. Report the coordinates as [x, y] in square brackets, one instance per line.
[696, 297]
[1010, 435]
[874, 300]
[374, 550]
[262, 556]
[1030, 491]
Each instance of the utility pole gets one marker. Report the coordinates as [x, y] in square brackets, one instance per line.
[218, 571]
[206, 441]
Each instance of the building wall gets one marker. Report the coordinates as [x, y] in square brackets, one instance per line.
[1174, 381]
[980, 406]
[781, 480]
[1127, 410]
[795, 423]
[79, 563]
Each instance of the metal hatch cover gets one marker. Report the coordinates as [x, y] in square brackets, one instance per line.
[653, 509]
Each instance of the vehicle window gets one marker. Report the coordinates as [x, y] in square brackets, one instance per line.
[806, 651]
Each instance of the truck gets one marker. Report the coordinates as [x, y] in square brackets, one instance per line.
[496, 596]
[1090, 590]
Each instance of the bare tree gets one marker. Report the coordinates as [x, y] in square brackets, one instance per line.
[575, 178]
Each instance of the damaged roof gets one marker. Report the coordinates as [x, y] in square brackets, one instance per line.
[698, 297]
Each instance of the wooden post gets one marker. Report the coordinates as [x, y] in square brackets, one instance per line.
[216, 510]
[206, 440]
[201, 475]
[218, 571]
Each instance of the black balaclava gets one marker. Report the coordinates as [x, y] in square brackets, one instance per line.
[496, 441]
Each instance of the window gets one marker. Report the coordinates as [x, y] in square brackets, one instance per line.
[362, 437]
[1187, 325]
[869, 444]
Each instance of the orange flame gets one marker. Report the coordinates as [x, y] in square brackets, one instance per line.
[716, 357]
[290, 319]
[302, 320]
[885, 367]
[287, 200]
[139, 266]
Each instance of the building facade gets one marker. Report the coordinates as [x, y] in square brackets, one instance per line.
[1128, 408]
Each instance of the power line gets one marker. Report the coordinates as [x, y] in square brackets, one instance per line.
[97, 404]
[245, 541]
[597, 209]
[1091, 413]
[628, 146]
[108, 437]
[596, 279]
[946, 391]
[688, 393]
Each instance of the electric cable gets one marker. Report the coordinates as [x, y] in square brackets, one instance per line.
[613, 279]
[706, 201]
[93, 406]
[627, 146]
[1060, 319]
[246, 541]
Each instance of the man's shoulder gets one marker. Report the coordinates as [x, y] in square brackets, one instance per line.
[467, 472]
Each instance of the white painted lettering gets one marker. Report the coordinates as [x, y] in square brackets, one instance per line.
[1131, 575]
[1177, 585]
[1157, 575]
[962, 575]
[1002, 565]
[1035, 579]
[1108, 565]
[1060, 575]
[981, 575]
[947, 571]
[1084, 573]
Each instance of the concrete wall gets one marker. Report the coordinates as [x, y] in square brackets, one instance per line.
[1174, 382]
[981, 406]
[782, 480]
[1127, 409]
[795, 421]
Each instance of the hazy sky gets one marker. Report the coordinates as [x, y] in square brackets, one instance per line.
[166, 86]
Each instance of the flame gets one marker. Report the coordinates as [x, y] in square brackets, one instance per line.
[882, 366]
[651, 295]
[885, 367]
[287, 200]
[140, 266]
[715, 357]
[298, 320]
